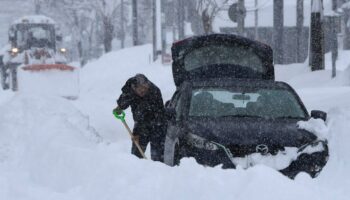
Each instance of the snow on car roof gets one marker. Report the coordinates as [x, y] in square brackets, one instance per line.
[35, 19]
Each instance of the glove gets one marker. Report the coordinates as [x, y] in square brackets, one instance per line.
[118, 110]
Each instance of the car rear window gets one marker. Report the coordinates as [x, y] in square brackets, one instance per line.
[223, 54]
[264, 103]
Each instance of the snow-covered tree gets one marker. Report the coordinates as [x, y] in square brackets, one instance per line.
[208, 10]
[89, 24]
[109, 12]
[75, 17]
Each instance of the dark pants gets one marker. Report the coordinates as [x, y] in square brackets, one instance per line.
[150, 133]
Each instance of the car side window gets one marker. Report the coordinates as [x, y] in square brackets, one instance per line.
[176, 102]
[172, 102]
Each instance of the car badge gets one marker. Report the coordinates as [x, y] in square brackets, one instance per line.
[262, 148]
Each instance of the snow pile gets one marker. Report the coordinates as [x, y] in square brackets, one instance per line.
[40, 138]
[50, 82]
[31, 122]
[102, 80]
[315, 126]
[318, 90]
[5, 96]
[279, 161]
[300, 76]
[49, 151]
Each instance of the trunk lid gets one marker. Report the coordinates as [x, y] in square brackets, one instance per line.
[221, 56]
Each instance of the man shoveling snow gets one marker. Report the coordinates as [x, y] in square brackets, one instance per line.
[145, 100]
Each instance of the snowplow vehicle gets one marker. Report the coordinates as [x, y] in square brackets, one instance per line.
[228, 110]
[34, 46]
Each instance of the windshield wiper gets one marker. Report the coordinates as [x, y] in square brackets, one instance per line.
[288, 117]
[251, 116]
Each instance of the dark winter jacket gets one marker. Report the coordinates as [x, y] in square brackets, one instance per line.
[146, 110]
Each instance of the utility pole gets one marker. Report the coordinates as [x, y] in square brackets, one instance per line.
[240, 17]
[154, 28]
[256, 24]
[37, 7]
[164, 37]
[278, 31]
[334, 38]
[300, 25]
[122, 29]
[316, 58]
[163, 29]
[181, 18]
[135, 23]
[334, 5]
[161, 40]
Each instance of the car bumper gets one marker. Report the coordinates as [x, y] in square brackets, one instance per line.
[310, 159]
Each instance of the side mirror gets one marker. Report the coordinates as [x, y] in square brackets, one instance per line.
[317, 114]
[170, 114]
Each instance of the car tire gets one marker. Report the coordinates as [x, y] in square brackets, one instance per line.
[4, 77]
[13, 79]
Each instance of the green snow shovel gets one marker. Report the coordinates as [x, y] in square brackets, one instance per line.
[121, 117]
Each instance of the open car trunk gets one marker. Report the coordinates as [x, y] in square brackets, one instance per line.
[221, 56]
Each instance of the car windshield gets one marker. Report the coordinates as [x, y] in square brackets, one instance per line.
[34, 35]
[221, 54]
[262, 103]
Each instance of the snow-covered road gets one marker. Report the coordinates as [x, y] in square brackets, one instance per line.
[56, 149]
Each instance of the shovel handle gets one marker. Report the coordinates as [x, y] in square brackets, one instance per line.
[137, 144]
[122, 118]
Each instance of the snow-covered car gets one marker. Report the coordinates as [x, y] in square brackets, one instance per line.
[243, 122]
[231, 112]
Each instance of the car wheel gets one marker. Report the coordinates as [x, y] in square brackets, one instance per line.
[4, 77]
[14, 81]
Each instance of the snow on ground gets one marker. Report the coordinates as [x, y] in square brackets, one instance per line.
[102, 80]
[56, 149]
[54, 82]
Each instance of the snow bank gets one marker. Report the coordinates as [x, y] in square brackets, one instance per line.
[5, 96]
[300, 75]
[102, 80]
[33, 122]
[50, 82]
[40, 138]
[49, 151]
[318, 90]
[315, 126]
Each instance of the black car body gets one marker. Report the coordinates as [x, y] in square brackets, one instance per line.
[230, 115]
